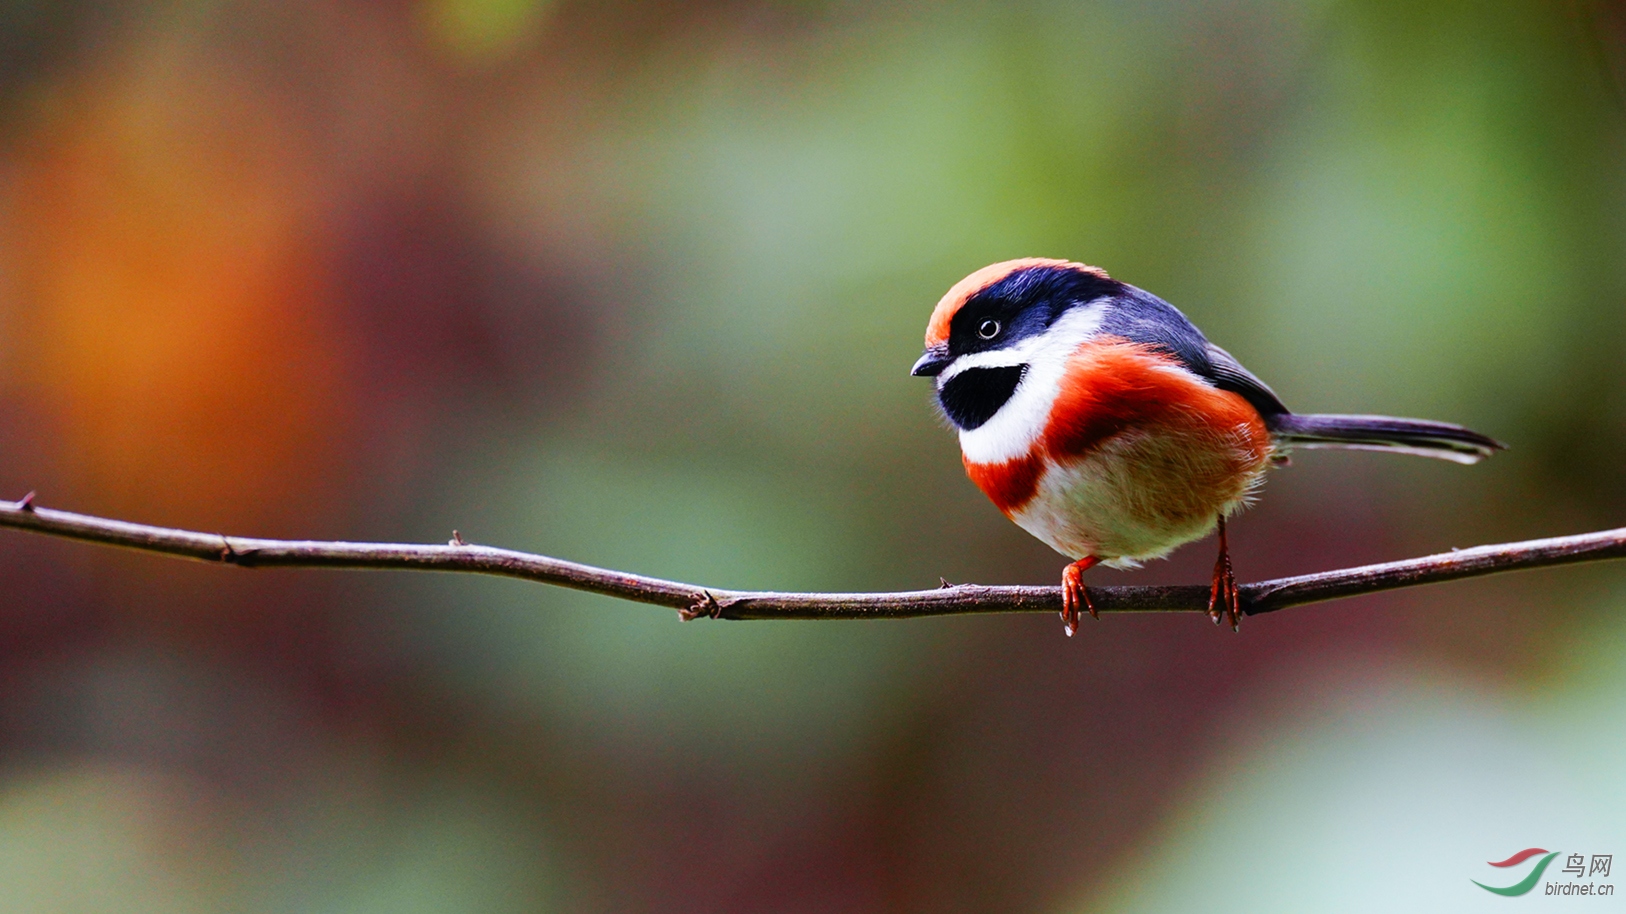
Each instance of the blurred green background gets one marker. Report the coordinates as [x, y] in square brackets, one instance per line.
[639, 284]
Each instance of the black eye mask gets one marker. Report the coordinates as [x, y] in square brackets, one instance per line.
[971, 397]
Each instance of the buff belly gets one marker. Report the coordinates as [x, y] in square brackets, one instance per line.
[1140, 494]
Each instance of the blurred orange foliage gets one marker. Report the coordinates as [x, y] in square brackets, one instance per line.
[180, 309]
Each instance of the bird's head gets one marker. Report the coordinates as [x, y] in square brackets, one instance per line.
[989, 328]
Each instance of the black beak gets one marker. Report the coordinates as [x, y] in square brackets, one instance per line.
[933, 361]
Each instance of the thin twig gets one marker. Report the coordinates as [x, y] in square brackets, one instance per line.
[693, 601]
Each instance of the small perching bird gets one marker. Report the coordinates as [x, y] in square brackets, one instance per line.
[1100, 420]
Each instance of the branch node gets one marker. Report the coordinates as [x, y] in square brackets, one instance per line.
[26, 503]
[704, 605]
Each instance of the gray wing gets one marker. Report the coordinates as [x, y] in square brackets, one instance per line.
[1140, 316]
[1228, 374]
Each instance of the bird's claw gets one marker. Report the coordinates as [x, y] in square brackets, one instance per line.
[1075, 595]
[1224, 596]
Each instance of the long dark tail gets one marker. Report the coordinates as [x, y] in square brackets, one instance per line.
[1384, 433]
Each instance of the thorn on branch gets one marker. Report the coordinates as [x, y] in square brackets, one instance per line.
[943, 584]
[230, 556]
[704, 605]
[456, 540]
[26, 503]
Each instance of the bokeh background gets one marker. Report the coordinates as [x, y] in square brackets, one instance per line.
[638, 284]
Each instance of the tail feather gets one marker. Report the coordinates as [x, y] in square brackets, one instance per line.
[1441, 440]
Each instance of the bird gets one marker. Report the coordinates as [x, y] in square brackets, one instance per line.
[1099, 419]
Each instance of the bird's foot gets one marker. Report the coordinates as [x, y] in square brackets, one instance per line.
[1224, 596]
[1074, 594]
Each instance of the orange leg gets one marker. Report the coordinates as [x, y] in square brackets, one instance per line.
[1074, 594]
[1223, 594]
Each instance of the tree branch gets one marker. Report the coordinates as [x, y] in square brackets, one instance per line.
[692, 601]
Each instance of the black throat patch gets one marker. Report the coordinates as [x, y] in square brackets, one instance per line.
[971, 397]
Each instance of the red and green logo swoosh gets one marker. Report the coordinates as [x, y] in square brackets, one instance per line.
[1527, 883]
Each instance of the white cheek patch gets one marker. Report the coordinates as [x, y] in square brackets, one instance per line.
[1011, 432]
[997, 358]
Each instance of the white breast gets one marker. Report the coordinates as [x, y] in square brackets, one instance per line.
[1141, 494]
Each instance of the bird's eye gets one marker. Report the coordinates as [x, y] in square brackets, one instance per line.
[988, 329]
